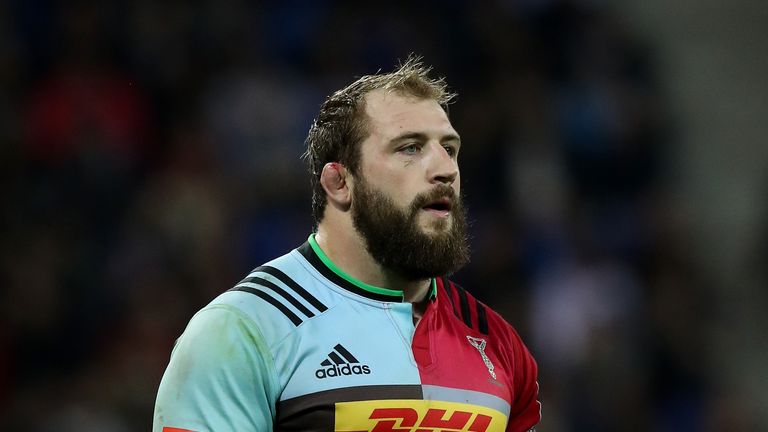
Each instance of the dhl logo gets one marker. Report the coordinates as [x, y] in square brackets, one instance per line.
[416, 416]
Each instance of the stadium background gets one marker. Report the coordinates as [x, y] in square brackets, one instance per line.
[614, 166]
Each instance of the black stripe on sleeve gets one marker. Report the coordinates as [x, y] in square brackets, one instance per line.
[284, 278]
[267, 284]
[464, 303]
[482, 320]
[449, 291]
[269, 299]
[347, 355]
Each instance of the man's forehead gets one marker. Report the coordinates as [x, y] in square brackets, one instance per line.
[391, 107]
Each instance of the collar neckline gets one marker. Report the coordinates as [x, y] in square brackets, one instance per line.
[315, 255]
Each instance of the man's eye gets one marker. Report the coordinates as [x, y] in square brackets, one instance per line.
[450, 150]
[410, 149]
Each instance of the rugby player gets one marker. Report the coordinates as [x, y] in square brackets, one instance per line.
[360, 328]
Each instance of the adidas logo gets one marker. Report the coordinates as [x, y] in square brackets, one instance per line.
[341, 362]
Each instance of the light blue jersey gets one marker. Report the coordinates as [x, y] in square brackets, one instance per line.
[300, 346]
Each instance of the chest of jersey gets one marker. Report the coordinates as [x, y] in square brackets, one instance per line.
[366, 367]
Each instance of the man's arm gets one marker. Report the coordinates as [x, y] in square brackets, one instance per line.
[525, 412]
[221, 376]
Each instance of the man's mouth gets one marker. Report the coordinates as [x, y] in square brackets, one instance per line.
[440, 207]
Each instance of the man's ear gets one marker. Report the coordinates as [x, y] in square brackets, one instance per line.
[334, 181]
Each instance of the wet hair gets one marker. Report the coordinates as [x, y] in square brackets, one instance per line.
[342, 123]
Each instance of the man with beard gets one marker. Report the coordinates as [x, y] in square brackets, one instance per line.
[359, 329]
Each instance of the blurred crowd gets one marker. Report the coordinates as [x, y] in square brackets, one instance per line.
[150, 155]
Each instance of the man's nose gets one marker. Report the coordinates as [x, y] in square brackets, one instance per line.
[443, 167]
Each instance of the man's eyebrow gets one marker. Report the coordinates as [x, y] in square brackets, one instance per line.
[409, 135]
[423, 137]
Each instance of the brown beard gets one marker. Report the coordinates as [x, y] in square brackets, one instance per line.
[395, 240]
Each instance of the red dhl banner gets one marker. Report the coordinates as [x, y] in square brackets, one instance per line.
[416, 416]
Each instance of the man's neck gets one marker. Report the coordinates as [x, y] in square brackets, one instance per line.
[348, 252]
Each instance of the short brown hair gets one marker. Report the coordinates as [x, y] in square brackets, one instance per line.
[342, 123]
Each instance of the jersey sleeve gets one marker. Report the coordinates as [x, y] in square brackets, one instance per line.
[221, 376]
[525, 412]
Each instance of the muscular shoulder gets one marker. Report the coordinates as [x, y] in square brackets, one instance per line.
[474, 313]
[489, 324]
[525, 409]
[277, 297]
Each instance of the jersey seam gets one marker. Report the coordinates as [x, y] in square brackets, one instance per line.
[430, 339]
[408, 346]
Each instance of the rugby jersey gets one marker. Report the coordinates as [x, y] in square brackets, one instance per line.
[299, 345]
